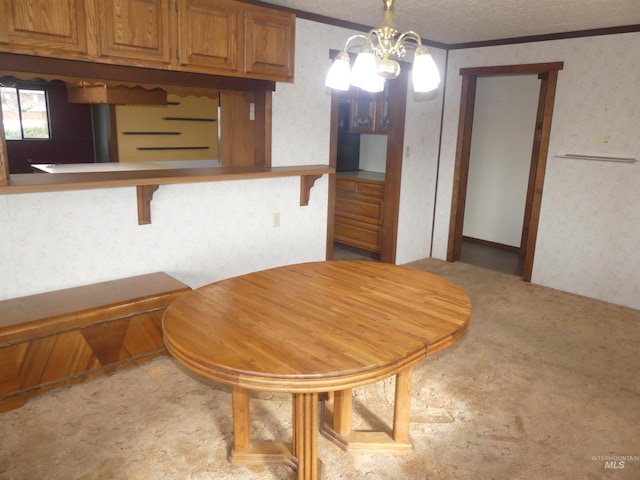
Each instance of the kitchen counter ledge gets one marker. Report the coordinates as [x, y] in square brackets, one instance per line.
[148, 181]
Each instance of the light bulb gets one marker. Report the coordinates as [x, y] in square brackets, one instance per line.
[339, 74]
[425, 73]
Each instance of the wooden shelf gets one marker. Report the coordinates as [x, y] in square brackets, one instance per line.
[152, 179]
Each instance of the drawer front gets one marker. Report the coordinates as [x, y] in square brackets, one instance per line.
[366, 188]
[357, 234]
[360, 186]
[361, 208]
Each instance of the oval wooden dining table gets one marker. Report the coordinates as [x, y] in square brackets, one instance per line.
[316, 330]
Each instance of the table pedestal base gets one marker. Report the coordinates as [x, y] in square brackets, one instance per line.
[301, 454]
[336, 421]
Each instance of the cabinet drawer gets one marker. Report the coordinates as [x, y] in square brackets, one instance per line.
[357, 234]
[366, 209]
[360, 186]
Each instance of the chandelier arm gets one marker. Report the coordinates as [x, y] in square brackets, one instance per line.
[355, 37]
[409, 35]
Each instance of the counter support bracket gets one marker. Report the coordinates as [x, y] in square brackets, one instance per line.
[145, 195]
[306, 182]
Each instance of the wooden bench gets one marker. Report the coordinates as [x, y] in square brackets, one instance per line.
[68, 336]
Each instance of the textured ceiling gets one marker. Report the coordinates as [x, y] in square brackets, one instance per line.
[461, 21]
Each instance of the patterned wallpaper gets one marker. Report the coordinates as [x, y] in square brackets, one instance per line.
[199, 233]
[590, 218]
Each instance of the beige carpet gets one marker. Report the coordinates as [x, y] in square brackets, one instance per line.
[543, 383]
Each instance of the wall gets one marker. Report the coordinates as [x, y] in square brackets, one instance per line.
[420, 168]
[504, 121]
[590, 219]
[373, 153]
[136, 118]
[589, 228]
[200, 232]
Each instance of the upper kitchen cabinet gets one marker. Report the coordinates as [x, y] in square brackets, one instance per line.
[137, 30]
[232, 38]
[45, 27]
[269, 41]
[216, 37]
[209, 34]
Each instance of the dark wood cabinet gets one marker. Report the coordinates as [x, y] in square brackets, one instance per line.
[209, 35]
[217, 37]
[269, 38]
[135, 30]
[369, 111]
[359, 212]
[61, 27]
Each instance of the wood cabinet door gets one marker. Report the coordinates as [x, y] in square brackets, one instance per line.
[135, 29]
[369, 111]
[45, 26]
[269, 39]
[209, 35]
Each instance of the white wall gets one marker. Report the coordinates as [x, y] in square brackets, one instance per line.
[420, 168]
[504, 122]
[590, 219]
[373, 153]
[200, 232]
[589, 227]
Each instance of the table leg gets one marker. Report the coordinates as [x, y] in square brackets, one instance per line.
[402, 406]
[342, 411]
[240, 401]
[336, 421]
[246, 452]
[305, 435]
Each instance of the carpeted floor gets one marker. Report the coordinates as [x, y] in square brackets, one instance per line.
[544, 386]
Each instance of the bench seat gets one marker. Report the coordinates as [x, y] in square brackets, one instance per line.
[68, 336]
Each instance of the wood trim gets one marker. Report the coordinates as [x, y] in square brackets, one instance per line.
[268, 119]
[545, 132]
[306, 183]
[533, 168]
[145, 195]
[32, 183]
[4, 159]
[461, 171]
[393, 171]
[333, 160]
[260, 145]
[538, 163]
[489, 243]
[548, 37]
[314, 17]
[527, 68]
[73, 70]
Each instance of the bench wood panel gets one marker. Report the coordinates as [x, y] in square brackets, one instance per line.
[68, 336]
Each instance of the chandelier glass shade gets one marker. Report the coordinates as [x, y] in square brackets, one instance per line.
[374, 63]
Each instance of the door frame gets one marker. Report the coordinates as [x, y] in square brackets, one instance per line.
[548, 74]
[393, 168]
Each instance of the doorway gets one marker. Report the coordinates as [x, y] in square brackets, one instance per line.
[385, 197]
[547, 73]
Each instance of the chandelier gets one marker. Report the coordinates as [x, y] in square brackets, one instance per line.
[374, 65]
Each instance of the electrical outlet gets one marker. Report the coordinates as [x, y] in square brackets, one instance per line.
[276, 220]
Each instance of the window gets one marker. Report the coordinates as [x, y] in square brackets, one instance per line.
[25, 113]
